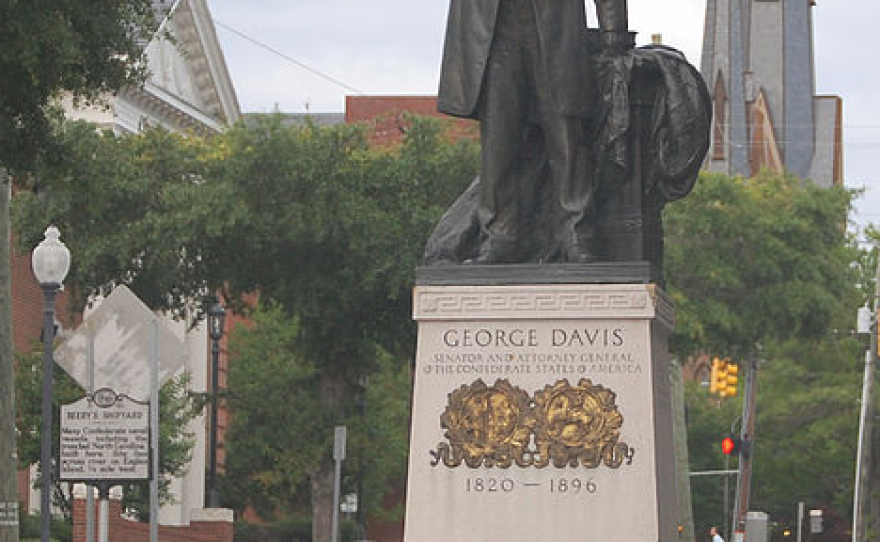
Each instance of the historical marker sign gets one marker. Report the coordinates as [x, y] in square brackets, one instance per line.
[105, 437]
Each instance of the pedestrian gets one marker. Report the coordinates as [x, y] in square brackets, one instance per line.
[713, 532]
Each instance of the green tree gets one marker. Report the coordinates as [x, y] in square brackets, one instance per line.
[766, 263]
[82, 48]
[749, 260]
[130, 212]
[334, 229]
[314, 219]
[270, 464]
[808, 420]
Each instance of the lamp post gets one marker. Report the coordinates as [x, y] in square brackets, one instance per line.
[50, 262]
[216, 318]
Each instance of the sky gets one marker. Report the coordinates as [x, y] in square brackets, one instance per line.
[395, 46]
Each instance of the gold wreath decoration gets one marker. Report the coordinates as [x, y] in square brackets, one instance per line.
[563, 425]
[485, 426]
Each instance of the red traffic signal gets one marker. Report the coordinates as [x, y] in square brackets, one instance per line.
[729, 445]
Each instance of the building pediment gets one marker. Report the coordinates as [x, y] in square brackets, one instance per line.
[188, 88]
[186, 63]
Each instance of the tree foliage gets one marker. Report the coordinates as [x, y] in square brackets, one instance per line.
[326, 228]
[313, 218]
[809, 417]
[127, 211]
[275, 446]
[765, 265]
[47, 48]
[754, 259]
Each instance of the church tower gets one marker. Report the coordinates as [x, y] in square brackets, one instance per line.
[758, 64]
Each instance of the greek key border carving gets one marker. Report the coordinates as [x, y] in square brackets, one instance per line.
[545, 302]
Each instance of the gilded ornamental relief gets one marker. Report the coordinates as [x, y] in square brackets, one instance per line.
[502, 426]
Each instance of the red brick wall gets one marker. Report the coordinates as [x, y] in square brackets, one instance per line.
[124, 530]
[387, 113]
[389, 531]
[224, 415]
[23, 485]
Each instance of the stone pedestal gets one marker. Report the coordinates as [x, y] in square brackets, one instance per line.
[541, 412]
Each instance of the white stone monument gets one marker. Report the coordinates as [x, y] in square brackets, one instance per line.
[541, 412]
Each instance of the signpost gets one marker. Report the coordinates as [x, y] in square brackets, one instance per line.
[121, 345]
[105, 441]
[339, 435]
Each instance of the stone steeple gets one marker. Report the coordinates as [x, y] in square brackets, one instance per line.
[758, 63]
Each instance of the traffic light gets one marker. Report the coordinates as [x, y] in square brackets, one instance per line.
[731, 380]
[718, 378]
[724, 378]
[730, 445]
[734, 445]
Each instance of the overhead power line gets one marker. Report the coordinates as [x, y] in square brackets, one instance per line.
[288, 58]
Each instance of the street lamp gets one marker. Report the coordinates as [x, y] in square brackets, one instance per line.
[216, 318]
[50, 262]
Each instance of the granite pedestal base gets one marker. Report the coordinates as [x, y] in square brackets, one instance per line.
[541, 413]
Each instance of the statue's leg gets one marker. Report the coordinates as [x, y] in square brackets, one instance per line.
[502, 113]
[574, 186]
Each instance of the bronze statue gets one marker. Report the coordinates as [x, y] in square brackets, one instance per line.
[572, 123]
[518, 65]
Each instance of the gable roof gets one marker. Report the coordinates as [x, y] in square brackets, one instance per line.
[192, 27]
[189, 86]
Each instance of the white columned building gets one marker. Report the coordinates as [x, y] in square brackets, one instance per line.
[188, 90]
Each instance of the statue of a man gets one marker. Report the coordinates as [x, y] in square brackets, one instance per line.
[522, 67]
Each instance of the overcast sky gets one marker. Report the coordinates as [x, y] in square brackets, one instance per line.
[394, 47]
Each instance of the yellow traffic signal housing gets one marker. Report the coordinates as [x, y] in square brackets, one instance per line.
[731, 379]
[718, 378]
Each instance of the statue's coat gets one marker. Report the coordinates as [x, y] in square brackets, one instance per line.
[563, 43]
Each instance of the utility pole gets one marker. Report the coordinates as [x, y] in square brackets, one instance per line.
[866, 491]
[679, 431]
[8, 456]
[872, 435]
[863, 453]
[746, 452]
